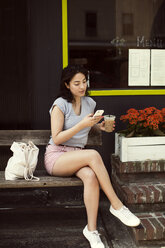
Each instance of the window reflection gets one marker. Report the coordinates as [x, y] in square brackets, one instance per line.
[101, 32]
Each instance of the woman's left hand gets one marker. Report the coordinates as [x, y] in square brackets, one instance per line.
[102, 126]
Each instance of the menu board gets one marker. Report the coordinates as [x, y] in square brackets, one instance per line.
[158, 67]
[146, 67]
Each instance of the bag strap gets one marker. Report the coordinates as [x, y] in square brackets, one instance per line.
[28, 174]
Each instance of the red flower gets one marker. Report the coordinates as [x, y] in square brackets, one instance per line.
[144, 120]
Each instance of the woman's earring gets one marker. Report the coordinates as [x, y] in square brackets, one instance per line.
[88, 83]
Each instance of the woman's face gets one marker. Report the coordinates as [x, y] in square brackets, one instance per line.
[78, 85]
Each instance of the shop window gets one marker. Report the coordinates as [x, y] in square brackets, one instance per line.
[102, 33]
[127, 21]
[91, 24]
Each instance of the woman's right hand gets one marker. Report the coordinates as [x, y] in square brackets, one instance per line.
[90, 120]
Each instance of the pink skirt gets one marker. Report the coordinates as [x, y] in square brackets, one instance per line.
[53, 152]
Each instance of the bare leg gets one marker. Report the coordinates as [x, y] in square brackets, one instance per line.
[91, 195]
[70, 162]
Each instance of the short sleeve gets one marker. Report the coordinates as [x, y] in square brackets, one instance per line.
[92, 103]
[61, 103]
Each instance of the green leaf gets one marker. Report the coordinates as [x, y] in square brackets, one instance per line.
[158, 132]
[131, 134]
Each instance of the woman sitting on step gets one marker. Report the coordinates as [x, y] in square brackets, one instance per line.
[71, 119]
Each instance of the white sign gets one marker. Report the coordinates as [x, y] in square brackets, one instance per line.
[139, 67]
[146, 67]
[158, 67]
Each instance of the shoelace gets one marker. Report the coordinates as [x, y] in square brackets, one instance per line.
[95, 237]
[125, 211]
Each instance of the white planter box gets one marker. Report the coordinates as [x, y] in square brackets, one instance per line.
[139, 148]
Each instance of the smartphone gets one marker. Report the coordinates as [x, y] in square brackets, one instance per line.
[98, 113]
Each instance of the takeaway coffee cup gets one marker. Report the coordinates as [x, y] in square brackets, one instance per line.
[109, 122]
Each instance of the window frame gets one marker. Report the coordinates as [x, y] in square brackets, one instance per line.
[108, 92]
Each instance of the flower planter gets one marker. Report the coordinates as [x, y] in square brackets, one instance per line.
[139, 148]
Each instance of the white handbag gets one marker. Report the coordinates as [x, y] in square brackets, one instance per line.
[23, 162]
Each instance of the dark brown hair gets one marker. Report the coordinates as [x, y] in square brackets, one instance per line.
[67, 74]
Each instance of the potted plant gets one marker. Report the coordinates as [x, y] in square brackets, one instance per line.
[144, 137]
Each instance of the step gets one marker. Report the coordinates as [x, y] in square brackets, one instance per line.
[141, 187]
[144, 193]
[145, 171]
[147, 166]
[151, 230]
[141, 196]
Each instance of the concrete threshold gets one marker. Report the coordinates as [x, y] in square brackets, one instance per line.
[46, 228]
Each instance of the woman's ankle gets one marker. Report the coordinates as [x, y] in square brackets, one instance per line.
[117, 205]
[91, 228]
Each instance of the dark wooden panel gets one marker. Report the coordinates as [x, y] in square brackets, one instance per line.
[41, 137]
[44, 182]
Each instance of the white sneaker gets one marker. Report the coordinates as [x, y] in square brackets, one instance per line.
[93, 238]
[125, 216]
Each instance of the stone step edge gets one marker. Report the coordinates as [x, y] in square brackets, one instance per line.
[148, 166]
[144, 193]
[140, 193]
[152, 227]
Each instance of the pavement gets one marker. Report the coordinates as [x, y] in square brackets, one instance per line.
[45, 228]
[59, 227]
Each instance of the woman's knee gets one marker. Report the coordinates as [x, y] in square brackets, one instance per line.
[94, 156]
[90, 177]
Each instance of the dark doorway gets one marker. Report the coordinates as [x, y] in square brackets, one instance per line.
[14, 93]
[30, 61]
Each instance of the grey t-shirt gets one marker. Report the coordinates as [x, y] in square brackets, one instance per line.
[71, 119]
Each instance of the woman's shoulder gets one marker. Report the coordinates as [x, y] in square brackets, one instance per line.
[61, 103]
[60, 100]
[89, 100]
[89, 103]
